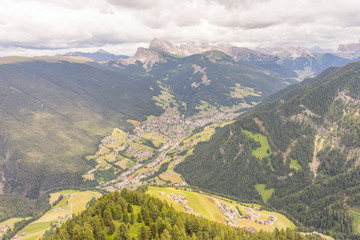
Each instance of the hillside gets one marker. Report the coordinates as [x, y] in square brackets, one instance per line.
[298, 151]
[212, 77]
[132, 214]
[54, 113]
[221, 209]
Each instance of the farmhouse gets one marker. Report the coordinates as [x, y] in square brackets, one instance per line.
[249, 216]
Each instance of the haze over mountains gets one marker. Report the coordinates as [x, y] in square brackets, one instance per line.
[100, 55]
[109, 121]
[300, 60]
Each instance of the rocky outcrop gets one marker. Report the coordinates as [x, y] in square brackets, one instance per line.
[288, 52]
[147, 57]
[351, 50]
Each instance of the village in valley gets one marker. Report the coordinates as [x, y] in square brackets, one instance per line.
[149, 153]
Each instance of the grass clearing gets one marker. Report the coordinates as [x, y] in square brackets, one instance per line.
[265, 194]
[295, 165]
[240, 92]
[129, 164]
[264, 150]
[171, 176]
[134, 122]
[119, 134]
[356, 224]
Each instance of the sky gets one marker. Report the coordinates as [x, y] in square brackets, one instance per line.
[48, 27]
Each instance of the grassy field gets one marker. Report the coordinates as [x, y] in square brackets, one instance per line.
[206, 205]
[202, 204]
[240, 92]
[134, 122]
[10, 222]
[156, 139]
[172, 176]
[265, 194]
[356, 224]
[72, 203]
[264, 150]
[295, 165]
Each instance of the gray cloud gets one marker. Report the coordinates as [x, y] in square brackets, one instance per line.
[62, 24]
[135, 4]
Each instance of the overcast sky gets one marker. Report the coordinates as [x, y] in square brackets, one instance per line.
[45, 27]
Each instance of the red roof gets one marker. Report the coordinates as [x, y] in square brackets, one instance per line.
[132, 176]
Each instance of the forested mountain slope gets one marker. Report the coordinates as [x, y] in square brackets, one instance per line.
[300, 148]
[212, 77]
[53, 113]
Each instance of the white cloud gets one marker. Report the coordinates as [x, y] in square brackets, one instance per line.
[51, 26]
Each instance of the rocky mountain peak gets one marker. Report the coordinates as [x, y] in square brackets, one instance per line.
[146, 56]
[102, 51]
[351, 50]
[288, 52]
[163, 45]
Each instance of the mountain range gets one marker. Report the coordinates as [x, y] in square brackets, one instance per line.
[293, 61]
[294, 145]
[100, 55]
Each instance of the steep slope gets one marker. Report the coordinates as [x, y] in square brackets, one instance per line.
[132, 214]
[212, 77]
[302, 143]
[54, 113]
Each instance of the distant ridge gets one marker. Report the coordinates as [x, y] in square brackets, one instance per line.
[100, 55]
[293, 61]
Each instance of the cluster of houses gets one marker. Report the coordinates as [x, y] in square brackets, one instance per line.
[169, 123]
[271, 220]
[231, 214]
[182, 200]
[140, 155]
[251, 214]
[157, 160]
[3, 230]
